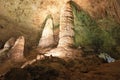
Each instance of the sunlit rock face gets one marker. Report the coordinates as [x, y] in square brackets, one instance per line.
[16, 54]
[47, 38]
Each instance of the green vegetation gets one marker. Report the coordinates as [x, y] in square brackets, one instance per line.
[100, 35]
[110, 35]
[86, 29]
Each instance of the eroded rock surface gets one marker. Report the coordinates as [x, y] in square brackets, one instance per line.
[66, 41]
[66, 32]
[6, 48]
[47, 38]
[16, 54]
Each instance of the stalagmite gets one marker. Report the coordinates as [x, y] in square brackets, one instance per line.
[47, 38]
[66, 34]
[16, 53]
[7, 46]
[9, 43]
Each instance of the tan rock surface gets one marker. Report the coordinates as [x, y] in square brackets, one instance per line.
[16, 54]
[47, 38]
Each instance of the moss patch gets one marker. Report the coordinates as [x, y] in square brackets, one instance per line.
[101, 35]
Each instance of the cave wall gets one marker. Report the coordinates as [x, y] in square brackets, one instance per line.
[32, 13]
[101, 8]
[26, 17]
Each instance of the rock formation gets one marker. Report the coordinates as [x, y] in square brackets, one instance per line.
[65, 48]
[9, 43]
[16, 54]
[6, 48]
[66, 34]
[47, 38]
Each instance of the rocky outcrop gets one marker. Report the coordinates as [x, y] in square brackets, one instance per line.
[47, 38]
[6, 48]
[28, 16]
[16, 54]
[8, 45]
[101, 8]
[23, 17]
[66, 32]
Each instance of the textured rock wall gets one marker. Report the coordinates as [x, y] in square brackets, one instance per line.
[101, 8]
[31, 12]
[25, 17]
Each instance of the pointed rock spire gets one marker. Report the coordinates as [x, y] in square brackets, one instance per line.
[47, 38]
[66, 34]
[7, 46]
[66, 26]
[9, 43]
[16, 53]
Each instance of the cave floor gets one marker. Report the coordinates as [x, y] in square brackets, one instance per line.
[87, 68]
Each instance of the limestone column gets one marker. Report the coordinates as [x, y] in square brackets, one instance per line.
[47, 38]
[16, 53]
[66, 33]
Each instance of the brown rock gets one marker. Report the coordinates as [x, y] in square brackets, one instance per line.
[9, 43]
[16, 54]
[66, 26]
[66, 34]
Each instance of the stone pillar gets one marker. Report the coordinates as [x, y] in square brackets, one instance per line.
[47, 38]
[16, 53]
[9, 43]
[66, 33]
